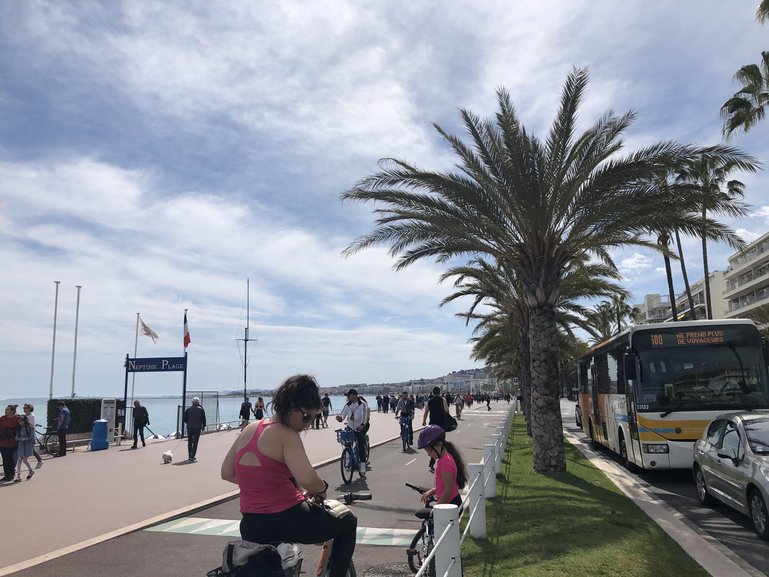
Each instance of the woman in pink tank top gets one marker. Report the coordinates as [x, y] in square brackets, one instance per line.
[269, 464]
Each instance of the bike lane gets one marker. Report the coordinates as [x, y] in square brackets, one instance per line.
[192, 544]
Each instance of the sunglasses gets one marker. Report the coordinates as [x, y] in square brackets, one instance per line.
[307, 418]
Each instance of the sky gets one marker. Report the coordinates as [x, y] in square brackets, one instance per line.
[159, 154]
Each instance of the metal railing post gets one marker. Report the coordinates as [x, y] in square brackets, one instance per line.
[446, 519]
[489, 479]
[476, 502]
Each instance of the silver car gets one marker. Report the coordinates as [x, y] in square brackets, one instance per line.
[731, 464]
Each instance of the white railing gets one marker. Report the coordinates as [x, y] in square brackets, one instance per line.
[446, 518]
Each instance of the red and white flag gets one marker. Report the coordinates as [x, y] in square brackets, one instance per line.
[186, 332]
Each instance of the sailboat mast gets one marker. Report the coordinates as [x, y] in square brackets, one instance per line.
[245, 340]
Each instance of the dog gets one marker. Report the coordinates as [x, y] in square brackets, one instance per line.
[168, 456]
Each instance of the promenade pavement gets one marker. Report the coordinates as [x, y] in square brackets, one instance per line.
[81, 503]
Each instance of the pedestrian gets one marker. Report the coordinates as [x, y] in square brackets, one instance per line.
[29, 409]
[245, 412]
[141, 420]
[326, 408]
[62, 427]
[259, 409]
[25, 447]
[9, 429]
[435, 411]
[195, 418]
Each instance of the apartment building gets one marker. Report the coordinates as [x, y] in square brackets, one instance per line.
[654, 309]
[747, 278]
[718, 303]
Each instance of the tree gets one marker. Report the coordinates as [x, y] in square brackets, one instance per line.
[534, 206]
[706, 176]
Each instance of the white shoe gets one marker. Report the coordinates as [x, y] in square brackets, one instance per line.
[362, 469]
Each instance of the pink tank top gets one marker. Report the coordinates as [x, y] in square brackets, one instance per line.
[267, 488]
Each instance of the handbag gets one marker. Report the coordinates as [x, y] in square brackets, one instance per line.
[449, 423]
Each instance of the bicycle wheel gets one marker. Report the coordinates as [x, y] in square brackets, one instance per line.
[346, 463]
[405, 437]
[368, 451]
[52, 445]
[416, 551]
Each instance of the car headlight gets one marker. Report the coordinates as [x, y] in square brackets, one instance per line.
[655, 448]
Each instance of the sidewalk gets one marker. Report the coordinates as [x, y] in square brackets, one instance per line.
[89, 497]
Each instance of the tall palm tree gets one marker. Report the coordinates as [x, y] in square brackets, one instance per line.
[664, 240]
[534, 206]
[749, 104]
[706, 177]
[762, 14]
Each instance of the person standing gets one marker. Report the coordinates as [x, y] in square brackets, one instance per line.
[9, 430]
[26, 439]
[141, 420]
[326, 408]
[195, 418]
[436, 410]
[259, 409]
[62, 426]
[29, 409]
[245, 412]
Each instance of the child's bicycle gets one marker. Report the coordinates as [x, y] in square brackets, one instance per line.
[350, 461]
[422, 544]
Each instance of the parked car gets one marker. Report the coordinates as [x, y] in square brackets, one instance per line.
[731, 464]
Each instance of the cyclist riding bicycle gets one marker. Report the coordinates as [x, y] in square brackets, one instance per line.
[406, 409]
[450, 471]
[269, 464]
[356, 413]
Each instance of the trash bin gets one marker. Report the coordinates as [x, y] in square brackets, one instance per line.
[99, 438]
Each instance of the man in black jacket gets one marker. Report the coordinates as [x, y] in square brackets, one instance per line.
[141, 420]
[195, 418]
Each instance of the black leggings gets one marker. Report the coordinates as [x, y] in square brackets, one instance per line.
[305, 524]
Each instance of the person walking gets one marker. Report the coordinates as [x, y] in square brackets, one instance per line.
[259, 409]
[29, 409]
[436, 410]
[25, 447]
[326, 408]
[9, 430]
[245, 412]
[62, 427]
[141, 420]
[195, 419]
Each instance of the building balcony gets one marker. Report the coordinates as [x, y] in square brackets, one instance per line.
[743, 304]
[747, 283]
[756, 255]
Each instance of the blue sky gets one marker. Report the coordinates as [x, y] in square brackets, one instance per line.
[159, 154]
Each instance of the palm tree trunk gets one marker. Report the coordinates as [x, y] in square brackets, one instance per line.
[708, 307]
[546, 422]
[686, 278]
[663, 240]
[525, 376]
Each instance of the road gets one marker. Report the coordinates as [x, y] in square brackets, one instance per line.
[727, 528]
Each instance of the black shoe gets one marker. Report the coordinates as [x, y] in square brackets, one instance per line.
[144, 444]
[133, 446]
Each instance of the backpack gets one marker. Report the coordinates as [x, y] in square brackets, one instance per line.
[247, 559]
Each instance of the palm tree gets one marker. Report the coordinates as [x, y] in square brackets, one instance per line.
[534, 206]
[706, 176]
[664, 240]
[748, 105]
[762, 14]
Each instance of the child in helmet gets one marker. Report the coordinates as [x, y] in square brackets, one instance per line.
[450, 472]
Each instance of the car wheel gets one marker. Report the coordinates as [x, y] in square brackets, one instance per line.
[758, 514]
[702, 489]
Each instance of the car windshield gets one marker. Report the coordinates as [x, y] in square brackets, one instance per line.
[758, 435]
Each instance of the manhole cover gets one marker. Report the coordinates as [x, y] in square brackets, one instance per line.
[394, 570]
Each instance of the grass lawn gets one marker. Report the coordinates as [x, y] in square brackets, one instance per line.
[574, 523]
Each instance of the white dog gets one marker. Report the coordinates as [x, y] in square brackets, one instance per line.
[168, 456]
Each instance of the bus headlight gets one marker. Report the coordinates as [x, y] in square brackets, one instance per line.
[655, 448]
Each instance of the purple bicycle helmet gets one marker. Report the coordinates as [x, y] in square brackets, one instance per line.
[430, 435]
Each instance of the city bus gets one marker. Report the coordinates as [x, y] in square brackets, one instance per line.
[648, 393]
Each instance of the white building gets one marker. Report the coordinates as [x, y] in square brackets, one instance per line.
[747, 278]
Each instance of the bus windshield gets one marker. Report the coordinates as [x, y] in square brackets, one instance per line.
[726, 376]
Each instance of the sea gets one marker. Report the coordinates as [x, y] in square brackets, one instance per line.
[163, 410]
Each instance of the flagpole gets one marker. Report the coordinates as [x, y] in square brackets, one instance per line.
[74, 354]
[53, 345]
[136, 348]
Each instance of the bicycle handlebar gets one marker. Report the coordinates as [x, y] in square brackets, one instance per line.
[349, 498]
[417, 488]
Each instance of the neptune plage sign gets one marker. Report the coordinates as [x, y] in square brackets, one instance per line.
[156, 365]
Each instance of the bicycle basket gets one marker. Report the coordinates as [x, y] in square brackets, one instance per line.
[345, 436]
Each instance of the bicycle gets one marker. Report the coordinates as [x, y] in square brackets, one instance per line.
[422, 543]
[350, 461]
[47, 439]
[323, 567]
[406, 434]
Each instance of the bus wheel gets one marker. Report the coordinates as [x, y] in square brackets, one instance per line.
[626, 462]
[593, 442]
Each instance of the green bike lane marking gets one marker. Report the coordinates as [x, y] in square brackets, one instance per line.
[229, 528]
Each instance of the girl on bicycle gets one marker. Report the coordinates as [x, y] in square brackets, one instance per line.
[277, 482]
[450, 472]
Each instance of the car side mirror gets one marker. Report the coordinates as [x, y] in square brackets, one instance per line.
[728, 453]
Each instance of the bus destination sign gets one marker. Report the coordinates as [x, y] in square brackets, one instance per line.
[687, 338]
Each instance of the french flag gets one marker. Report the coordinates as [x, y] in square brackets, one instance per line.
[186, 332]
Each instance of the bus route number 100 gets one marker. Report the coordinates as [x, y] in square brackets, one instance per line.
[657, 340]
